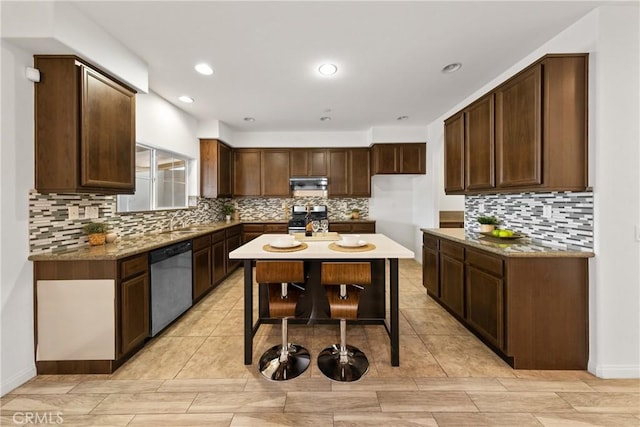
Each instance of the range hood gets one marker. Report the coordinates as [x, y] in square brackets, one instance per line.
[309, 187]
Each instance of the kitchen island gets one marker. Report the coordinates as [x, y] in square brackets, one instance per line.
[313, 254]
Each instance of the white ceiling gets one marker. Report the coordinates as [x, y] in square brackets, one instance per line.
[389, 54]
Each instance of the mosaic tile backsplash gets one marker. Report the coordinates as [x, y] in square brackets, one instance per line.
[570, 224]
[51, 230]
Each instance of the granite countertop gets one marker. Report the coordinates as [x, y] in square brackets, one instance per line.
[128, 246]
[524, 247]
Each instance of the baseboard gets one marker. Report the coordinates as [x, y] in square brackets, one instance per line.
[616, 371]
[16, 380]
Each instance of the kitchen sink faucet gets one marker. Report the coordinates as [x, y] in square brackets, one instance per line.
[173, 220]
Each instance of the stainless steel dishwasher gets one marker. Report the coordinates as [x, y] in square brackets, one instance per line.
[171, 284]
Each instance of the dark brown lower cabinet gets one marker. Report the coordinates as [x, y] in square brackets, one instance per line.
[202, 274]
[484, 289]
[135, 312]
[233, 241]
[356, 227]
[218, 256]
[452, 277]
[531, 310]
[430, 265]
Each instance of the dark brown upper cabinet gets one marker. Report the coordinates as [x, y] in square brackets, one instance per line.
[261, 172]
[479, 144]
[275, 173]
[528, 134]
[359, 172]
[216, 160]
[349, 172]
[400, 158]
[519, 130]
[247, 172]
[454, 154]
[84, 129]
[308, 162]
[338, 172]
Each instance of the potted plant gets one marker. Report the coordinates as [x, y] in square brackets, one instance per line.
[488, 223]
[355, 213]
[96, 231]
[227, 210]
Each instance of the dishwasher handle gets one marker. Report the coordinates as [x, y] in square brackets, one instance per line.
[169, 251]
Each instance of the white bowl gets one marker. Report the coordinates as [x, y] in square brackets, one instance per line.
[351, 239]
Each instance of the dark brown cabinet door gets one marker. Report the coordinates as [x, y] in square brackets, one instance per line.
[519, 129]
[308, 162]
[108, 128]
[85, 129]
[452, 276]
[430, 265]
[234, 240]
[359, 172]
[340, 227]
[202, 273]
[275, 173]
[452, 283]
[413, 158]
[385, 159]
[485, 304]
[247, 172]
[479, 144]
[218, 256]
[454, 154]
[399, 158]
[215, 169]
[134, 304]
[338, 173]
[363, 228]
[225, 170]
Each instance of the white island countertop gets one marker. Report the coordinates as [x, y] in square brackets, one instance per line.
[384, 248]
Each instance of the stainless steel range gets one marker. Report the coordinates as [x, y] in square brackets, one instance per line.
[298, 219]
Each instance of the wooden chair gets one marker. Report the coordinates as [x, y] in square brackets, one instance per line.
[284, 279]
[343, 282]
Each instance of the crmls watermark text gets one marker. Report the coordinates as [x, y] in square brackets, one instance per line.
[26, 418]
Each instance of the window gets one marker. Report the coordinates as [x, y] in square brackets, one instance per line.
[161, 182]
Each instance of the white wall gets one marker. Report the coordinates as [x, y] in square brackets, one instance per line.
[615, 272]
[60, 28]
[17, 163]
[610, 35]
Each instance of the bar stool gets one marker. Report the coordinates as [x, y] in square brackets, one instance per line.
[343, 282]
[285, 361]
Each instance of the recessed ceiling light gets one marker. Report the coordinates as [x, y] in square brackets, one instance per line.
[325, 118]
[403, 118]
[328, 69]
[204, 69]
[451, 68]
[249, 119]
[186, 99]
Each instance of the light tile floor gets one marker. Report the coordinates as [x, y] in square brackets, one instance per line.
[193, 374]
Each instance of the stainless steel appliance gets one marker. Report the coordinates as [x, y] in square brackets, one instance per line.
[171, 284]
[309, 186]
[298, 219]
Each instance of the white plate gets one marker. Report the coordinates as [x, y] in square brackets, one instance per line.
[351, 245]
[282, 245]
